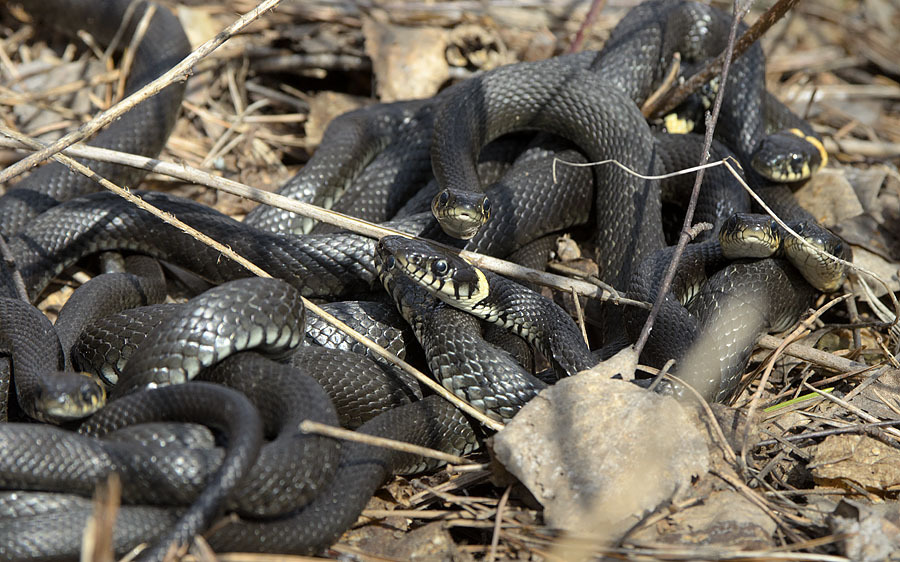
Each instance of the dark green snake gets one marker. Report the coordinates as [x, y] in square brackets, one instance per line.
[588, 98]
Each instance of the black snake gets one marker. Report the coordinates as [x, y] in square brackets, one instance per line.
[391, 149]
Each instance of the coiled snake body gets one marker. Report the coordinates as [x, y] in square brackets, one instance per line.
[588, 98]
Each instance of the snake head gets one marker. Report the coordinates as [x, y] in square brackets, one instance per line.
[747, 235]
[62, 396]
[789, 156]
[821, 270]
[445, 275]
[461, 214]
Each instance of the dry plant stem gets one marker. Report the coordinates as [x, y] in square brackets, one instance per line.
[751, 495]
[179, 72]
[665, 104]
[717, 429]
[894, 432]
[589, 19]
[227, 251]
[9, 262]
[125, 194]
[421, 377]
[695, 193]
[798, 332]
[97, 545]
[666, 85]
[309, 426]
[364, 228]
[855, 428]
[136, 38]
[498, 522]
[813, 355]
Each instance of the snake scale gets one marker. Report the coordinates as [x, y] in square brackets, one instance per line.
[245, 360]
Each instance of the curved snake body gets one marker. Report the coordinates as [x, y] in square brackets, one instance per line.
[164, 44]
[587, 98]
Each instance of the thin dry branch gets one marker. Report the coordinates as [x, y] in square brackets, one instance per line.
[695, 193]
[177, 73]
[717, 67]
[194, 175]
[250, 266]
[309, 426]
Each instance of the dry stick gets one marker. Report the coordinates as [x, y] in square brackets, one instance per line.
[125, 194]
[851, 408]
[498, 522]
[179, 72]
[855, 428]
[695, 193]
[596, 7]
[665, 104]
[364, 228]
[813, 355]
[170, 219]
[796, 334]
[309, 426]
[9, 262]
[136, 38]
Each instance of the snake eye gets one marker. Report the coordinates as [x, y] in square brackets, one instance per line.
[444, 198]
[486, 206]
[87, 396]
[440, 267]
[389, 262]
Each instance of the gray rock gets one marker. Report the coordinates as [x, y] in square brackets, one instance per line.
[599, 453]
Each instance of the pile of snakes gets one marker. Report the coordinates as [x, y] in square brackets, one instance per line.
[196, 405]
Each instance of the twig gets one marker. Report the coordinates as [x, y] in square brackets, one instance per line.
[811, 354]
[309, 426]
[9, 262]
[193, 175]
[718, 66]
[179, 72]
[796, 334]
[253, 268]
[851, 408]
[855, 428]
[589, 19]
[125, 194]
[713, 421]
[498, 522]
[666, 85]
[692, 204]
[419, 375]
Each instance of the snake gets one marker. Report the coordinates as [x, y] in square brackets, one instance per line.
[164, 44]
[437, 134]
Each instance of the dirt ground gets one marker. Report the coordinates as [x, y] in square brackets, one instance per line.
[816, 472]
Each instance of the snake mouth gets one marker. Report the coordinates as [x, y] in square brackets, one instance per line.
[448, 277]
[746, 235]
[789, 156]
[461, 214]
[64, 397]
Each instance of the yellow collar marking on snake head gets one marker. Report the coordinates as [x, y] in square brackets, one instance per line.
[823, 154]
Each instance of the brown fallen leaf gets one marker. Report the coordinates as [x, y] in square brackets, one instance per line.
[408, 62]
[857, 458]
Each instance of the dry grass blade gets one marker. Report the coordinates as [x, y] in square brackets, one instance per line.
[796, 334]
[308, 426]
[179, 72]
[225, 250]
[187, 173]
